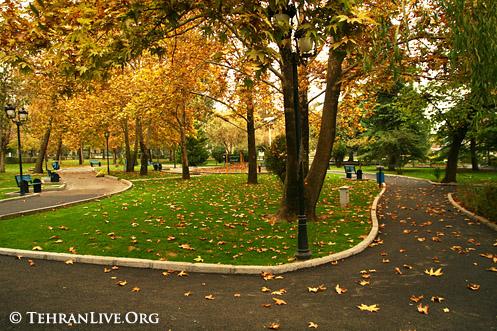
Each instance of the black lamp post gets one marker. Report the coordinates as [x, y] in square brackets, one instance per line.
[18, 118]
[303, 48]
[107, 135]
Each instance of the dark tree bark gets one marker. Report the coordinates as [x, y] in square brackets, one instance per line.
[252, 161]
[43, 149]
[143, 149]
[80, 154]
[317, 173]
[289, 205]
[455, 145]
[185, 169]
[304, 126]
[474, 156]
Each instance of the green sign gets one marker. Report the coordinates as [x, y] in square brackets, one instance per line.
[233, 158]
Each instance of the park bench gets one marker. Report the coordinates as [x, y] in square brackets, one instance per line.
[349, 170]
[95, 163]
[157, 166]
[36, 183]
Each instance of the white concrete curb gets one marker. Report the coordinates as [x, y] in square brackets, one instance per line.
[206, 267]
[491, 225]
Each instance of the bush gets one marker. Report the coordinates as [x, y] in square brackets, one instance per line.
[480, 199]
[218, 153]
[275, 157]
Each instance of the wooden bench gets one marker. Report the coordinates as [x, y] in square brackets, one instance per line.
[95, 163]
[349, 170]
[36, 183]
[157, 166]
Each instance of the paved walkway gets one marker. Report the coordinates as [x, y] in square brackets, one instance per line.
[81, 185]
[421, 231]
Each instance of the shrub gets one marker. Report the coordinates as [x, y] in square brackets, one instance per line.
[275, 157]
[218, 153]
[479, 198]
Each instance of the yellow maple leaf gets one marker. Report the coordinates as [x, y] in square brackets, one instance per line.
[423, 309]
[340, 290]
[437, 272]
[135, 289]
[313, 325]
[371, 308]
[279, 302]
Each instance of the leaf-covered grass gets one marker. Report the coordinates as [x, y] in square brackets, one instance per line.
[214, 219]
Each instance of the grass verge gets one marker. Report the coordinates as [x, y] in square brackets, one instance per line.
[212, 219]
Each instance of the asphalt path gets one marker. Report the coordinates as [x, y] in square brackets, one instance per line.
[420, 232]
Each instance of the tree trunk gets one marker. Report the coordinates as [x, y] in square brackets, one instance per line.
[317, 173]
[4, 141]
[58, 156]
[455, 146]
[81, 155]
[43, 150]
[130, 166]
[185, 169]
[144, 150]
[289, 205]
[474, 156]
[252, 161]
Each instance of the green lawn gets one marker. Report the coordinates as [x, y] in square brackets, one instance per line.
[214, 219]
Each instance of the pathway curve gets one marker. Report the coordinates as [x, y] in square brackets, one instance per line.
[421, 231]
[81, 185]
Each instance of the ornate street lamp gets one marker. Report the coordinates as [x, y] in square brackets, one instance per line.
[18, 118]
[302, 49]
[107, 135]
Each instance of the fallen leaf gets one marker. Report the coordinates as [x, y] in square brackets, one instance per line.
[273, 326]
[446, 310]
[437, 272]
[115, 268]
[266, 305]
[209, 297]
[437, 299]
[135, 289]
[265, 289]
[18, 257]
[237, 295]
[474, 287]
[492, 269]
[280, 292]
[397, 270]
[313, 325]
[415, 298]
[363, 282]
[69, 262]
[107, 270]
[340, 290]
[423, 309]
[182, 274]
[37, 248]
[187, 294]
[198, 259]
[407, 266]
[31, 263]
[279, 302]
[122, 282]
[372, 308]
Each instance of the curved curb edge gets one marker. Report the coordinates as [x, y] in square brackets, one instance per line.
[205, 267]
[67, 204]
[491, 225]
